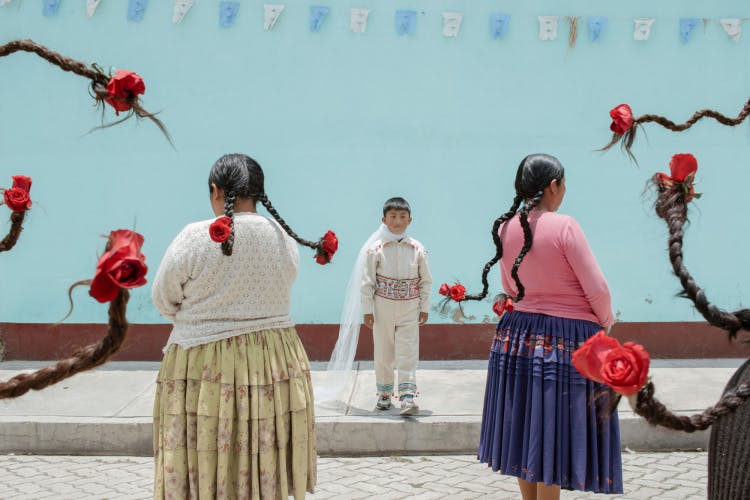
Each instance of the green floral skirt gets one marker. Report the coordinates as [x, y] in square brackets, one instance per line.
[234, 419]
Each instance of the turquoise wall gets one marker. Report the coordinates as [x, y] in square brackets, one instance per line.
[342, 121]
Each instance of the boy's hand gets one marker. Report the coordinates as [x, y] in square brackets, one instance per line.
[369, 320]
[423, 318]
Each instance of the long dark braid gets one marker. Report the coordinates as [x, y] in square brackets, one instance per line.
[94, 73]
[16, 226]
[271, 210]
[229, 199]
[498, 247]
[656, 413]
[671, 205]
[528, 240]
[628, 137]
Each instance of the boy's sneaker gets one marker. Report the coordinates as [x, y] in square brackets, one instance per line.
[384, 403]
[408, 406]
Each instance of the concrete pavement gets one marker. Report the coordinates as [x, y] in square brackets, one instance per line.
[107, 411]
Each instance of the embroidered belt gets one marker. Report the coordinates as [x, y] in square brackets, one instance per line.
[394, 289]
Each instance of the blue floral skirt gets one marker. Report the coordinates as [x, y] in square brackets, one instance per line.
[542, 421]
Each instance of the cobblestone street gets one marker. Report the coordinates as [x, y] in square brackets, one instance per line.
[647, 475]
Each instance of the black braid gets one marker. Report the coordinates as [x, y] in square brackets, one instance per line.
[498, 247]
[656, 413]
[228, 245]
[267, 203]
[528, 240]
[671, 205]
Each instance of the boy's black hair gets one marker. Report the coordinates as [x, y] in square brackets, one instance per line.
[396, 203]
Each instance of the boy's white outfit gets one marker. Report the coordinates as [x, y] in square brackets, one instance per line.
[395, 289]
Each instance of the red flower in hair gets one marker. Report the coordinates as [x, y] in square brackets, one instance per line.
[444, 289]
[122, 266]
[17, 197]
[682, 168]
[220, 229]
[622, 367]
[122, 88]
[501, 306]
[327, 246]
[622, 119]
[456, 292]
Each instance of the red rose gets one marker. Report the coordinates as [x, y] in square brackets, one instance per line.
[589, 358]
[458, 292]
[683, 165]
[501, 306]
[327, 246]
[625, 369]
[622, 119]
[122, 88]
[17, 197]
[122, 266]
[220, 229]
[444, 289]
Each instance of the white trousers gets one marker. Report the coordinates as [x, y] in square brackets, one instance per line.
[396, 341]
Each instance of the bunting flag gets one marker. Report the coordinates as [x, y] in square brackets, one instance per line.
[317, 16]
[358, 20]
[452, 23]
[180, 10]
[596, 26]
[91, 6]
[406, 22]
[498, 25]
[547, 28]
[687, 25]
[136, 10]
[642, 30]
[228, 13]
[271, 13]
[732, 27]
[50, 7]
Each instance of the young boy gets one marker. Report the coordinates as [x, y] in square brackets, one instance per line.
[395, 301]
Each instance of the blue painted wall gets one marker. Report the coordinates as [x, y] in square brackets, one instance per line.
[341, 121]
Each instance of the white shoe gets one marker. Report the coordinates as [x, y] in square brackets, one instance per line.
[408, 406]
[384, 403]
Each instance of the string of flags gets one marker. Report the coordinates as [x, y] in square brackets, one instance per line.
[406, 20]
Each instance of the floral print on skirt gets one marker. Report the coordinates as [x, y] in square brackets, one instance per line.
[234, 419]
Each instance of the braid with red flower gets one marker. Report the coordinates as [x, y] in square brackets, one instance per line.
[17, 199]
[120, 90]
[122, 267]
[624, 125]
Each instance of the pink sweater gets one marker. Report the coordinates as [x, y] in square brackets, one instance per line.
[560, 274]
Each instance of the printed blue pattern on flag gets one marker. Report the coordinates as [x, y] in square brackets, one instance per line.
[228, 13]
[498, 25]
[136, 10]
[317, 16]
[406, 22]
[50, 7]
[687, 25]
[596, 26]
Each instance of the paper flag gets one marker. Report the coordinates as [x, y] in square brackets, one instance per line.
[547, 27]
[136, 10]
[180, 10]
[452, 23]
[91, 6]
[406, 22]
[732, 27]
[271, 13]
[50, 7]
[642, 29]
[498, 25]
[228, 13]
[358, 20]
[687, 25]
[317, 16]
[596, 26]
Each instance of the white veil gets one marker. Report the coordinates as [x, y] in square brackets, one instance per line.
[341, 366]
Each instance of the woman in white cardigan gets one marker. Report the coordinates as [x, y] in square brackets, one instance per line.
[233, 415]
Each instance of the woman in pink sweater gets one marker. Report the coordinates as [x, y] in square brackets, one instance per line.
[542, 421]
